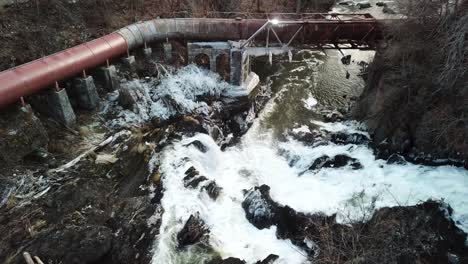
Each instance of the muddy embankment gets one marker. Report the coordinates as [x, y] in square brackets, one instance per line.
[415, 98]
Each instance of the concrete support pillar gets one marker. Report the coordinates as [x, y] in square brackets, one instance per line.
[213, 64]
[59, 107]
[167, 50]
[108, 77]
[129, 63]
[237, 67]
[85, 93]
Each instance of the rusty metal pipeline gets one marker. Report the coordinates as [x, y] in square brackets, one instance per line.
[32, 77]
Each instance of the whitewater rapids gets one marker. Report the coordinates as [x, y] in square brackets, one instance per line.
[260, 159]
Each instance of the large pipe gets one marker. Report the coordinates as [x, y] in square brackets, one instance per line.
[32, 77]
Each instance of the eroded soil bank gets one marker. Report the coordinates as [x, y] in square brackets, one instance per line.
[415, 98]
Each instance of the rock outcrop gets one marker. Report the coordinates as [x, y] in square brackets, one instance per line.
[401, 234]
[338, 161]
[194, 231]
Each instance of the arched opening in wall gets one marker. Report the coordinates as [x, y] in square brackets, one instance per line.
[203, 61]
[223, 67]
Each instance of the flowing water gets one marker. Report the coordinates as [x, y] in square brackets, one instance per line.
[263, 156]
[267, 154]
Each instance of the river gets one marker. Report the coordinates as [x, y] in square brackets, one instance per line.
[268, 154]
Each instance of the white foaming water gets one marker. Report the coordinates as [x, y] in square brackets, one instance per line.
[175, 94]
[260, 159]
[256, 161]
[230, 232]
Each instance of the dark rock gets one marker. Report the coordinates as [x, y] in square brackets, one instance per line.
[195, 182]
[396, 159]
[343, 160]
[263, 212]
[423, 232]
[230, 260]
[381, 4]
[332, 116]
[258, 208]
[194, 231]
[269, 260]
[336, 162]
[184, 125]
[345, 3]
[346, 60]
[212, 189]
[21, 133]
[344, 138]
[308, 138]
[74, 244]
[128, 98]
[319, 162]
[197, 144]
[364, 5]
[190, 173]
[388, 10]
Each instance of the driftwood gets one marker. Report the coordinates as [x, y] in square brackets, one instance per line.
[28, 258]
[38, 260]
[84, 154]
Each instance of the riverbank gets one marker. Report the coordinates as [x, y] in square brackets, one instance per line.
[414, 103]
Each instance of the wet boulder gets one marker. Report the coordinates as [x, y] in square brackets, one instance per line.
[198, 145]
[191, 173]
[396, 159]
[332, 116]
[346, 60]
[21, 134]
[306, 137]
[263, 212]
[269, 260]
[344, 138]
[195, 182]
[230, 260]
[212, 189]
[133, 96]
[192, 178]
[194, 231]
[259, 207]
[364, 4]
[74, 244]
[338, 161]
